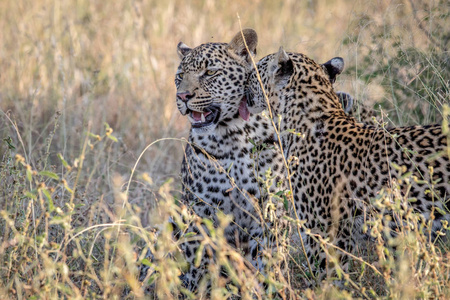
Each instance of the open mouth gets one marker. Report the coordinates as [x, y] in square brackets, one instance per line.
[202, 119]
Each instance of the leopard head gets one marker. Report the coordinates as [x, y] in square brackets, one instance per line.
[211, 79]
[280, 74]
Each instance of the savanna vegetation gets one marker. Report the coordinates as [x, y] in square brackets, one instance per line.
[91, 140]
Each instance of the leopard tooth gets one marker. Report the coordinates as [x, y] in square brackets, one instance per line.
[203, 118]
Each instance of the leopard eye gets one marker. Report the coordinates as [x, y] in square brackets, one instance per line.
[180, 75]
[211, 72]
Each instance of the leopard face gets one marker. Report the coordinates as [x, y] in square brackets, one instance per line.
[210, 82]
[269, 83]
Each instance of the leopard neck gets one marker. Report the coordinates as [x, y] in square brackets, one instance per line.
[230, 136]
[306, 113]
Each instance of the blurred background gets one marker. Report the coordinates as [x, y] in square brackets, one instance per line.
[87, 94]
[70, 67]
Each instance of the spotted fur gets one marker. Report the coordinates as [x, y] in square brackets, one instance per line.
[343, 164]
[220, 169]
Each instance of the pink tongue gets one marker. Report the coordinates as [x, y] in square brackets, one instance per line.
[243, 110]
[197, 115]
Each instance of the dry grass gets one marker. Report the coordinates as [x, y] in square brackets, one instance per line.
[86, 85]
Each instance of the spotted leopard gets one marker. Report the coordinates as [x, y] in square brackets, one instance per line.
[228, 150]
[343, 164]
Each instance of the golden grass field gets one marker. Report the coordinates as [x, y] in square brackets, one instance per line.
[86, 86]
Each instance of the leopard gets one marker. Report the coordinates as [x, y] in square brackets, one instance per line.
[220, 172]
[339, 164]
[229, 150]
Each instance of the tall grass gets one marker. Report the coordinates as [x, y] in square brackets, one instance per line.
[85, 86]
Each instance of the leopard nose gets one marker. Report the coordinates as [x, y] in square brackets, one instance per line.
[185, 96]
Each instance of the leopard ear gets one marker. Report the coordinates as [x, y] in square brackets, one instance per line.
[282, 67]
[183, 50]
[333, 67]
[346, 100]
[237, 45]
